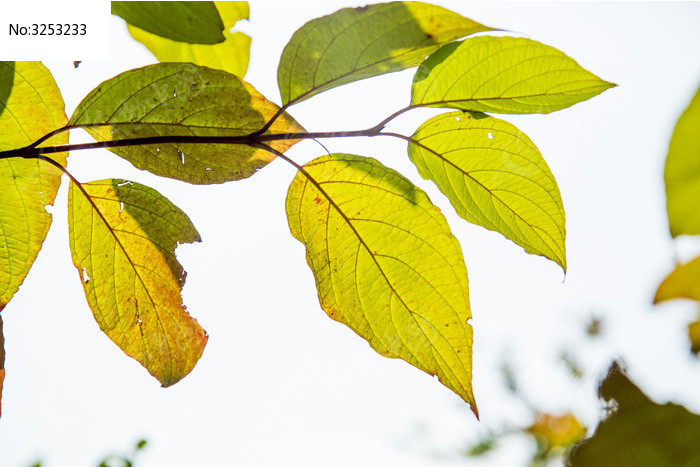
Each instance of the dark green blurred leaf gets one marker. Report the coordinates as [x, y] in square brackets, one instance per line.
[638, 432]
[7, 78]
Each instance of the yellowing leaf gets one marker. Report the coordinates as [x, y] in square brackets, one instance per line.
[495, 177]
[694, 336]
[357, 43]
[556, 431]
[682, 173]
[682, 282]
[638, 431]
[33, 108]
[193, 22]
[385, 264]
[184, 100]
[503, 75]
[123, 241]
[232, 55]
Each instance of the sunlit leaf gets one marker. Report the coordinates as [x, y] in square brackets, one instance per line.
[682, 173]
[232, 55]
[556, 431]
[385, 264]
[7, 78]
[193, 22]
[495, 177]
[503, 75]
[34, 107]
[182, 99]
[694, 336]
[123, 241]
[357, 43]
[639, 431]
[682, 282]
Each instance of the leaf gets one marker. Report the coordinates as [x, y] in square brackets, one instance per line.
[357, 43]
[123, 241]
[7, 77]
[34, 107]
[180, 100]
[639, 432]
[385, 264]
[682, 172]
[556, 431]
[232, 55]
[192, 22]
[682, 282]
[508, 75]
[495, 177]
[694, 336]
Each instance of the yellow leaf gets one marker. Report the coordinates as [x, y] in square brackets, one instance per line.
[682, 282]
[123, 239]
[33, 108]
[386, 264]
[557, 431]
[232, 55]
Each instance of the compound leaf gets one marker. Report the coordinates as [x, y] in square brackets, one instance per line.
[509, 75]
[356, 43]
[639, 431]
[181, 100]
[682, 172]
[495, 177]
[232, 55]
[123, 239]
[385, 264]
[33, 108]
[192, 22]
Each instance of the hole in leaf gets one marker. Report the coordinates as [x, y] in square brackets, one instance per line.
[121, 206]
[458, 119]
[490, 135]
[125, 182]
[86, 278]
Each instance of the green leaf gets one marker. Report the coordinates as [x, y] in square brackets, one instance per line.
[682, 282]
[495, 177]
[123, 239]
[385, 264]
[638, 431]
[192, 22]
[508, 75]
[356, 43]
[232, 55]
[7, 77]
[33, 108]
[182, 99]
[682, 172]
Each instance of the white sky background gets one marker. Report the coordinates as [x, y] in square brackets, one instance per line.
[281, 384]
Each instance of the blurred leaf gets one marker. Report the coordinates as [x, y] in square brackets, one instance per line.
[34, 108]
[495, 177]
[182, 99]
[484, 446]
[123, 241]
[639, 432]
[385, 264]
[232, 55]
[7, 78]
[682, 172]
[509, 75]
[594, 328]
[192, 22]
[556, 431]
[694, 336]
[357, 43]
[682, 282]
